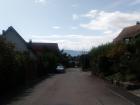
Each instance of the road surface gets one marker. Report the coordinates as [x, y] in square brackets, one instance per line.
[73, 88]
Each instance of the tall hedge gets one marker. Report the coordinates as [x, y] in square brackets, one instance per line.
[117, 61]
[16, 68]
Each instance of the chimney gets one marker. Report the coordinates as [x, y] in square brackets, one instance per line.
[30, 44]
[3, 32]
[138, 23]
[30, 41]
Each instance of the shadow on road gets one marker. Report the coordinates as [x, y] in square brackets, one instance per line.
[22, 91]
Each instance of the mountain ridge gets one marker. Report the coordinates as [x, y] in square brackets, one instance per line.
[73, 52]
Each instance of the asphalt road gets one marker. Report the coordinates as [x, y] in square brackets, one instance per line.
[72, 88]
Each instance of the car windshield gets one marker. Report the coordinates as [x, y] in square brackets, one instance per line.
[60, 67]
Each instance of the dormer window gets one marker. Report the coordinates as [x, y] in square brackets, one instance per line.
[127, 40]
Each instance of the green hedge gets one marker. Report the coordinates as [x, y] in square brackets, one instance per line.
[120, 58]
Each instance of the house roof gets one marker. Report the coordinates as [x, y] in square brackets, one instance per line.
[42, 46]
[13, 30]
[34, 46]
[128, 32]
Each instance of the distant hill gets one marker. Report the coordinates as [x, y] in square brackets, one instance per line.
[73, 52]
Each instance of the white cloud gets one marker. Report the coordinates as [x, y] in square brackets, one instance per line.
[56, 27]
[74, 42]
[75, 17]
[109, 21]
[109, 24]
[40, 1]
[91, 14]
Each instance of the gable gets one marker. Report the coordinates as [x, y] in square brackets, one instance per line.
[12, 36]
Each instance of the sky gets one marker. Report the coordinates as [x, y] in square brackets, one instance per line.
[73, 24]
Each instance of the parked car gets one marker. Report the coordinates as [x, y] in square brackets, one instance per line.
[60, 69]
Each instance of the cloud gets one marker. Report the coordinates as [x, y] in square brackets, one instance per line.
[91, 14]
[109, 21]
[56, 27]
[74, 42]
[40, 1]
[75, 17]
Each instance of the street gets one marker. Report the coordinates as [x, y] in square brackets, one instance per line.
[72, 88]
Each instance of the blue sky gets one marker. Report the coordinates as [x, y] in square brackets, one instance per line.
[73, 24]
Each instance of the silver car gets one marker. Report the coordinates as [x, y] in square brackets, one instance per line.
[60, 69]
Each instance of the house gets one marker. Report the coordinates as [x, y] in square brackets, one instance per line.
[11, 35]
[128, 34]
[34, 49]
[39, 48]
[48, 55]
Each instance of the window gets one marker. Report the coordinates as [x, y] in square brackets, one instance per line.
[127, 40]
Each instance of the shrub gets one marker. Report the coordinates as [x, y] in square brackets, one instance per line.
[117, 61]
[16, 68]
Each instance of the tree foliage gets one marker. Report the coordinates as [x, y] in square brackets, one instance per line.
[16, 68]
[118, 60]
